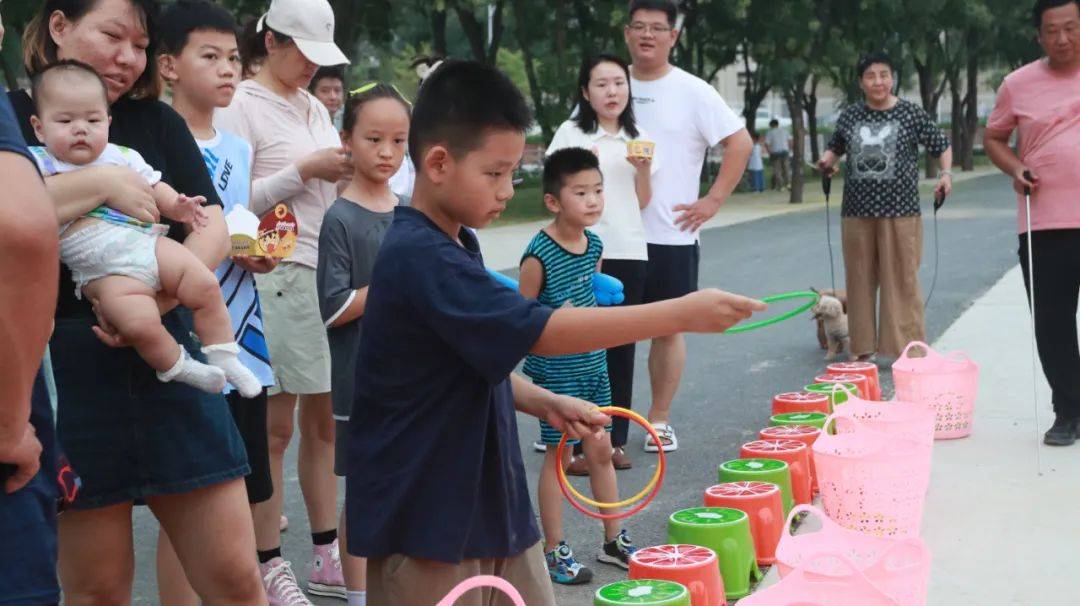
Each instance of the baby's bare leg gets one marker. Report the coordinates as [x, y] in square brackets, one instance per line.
[129, 305]
[185, 278]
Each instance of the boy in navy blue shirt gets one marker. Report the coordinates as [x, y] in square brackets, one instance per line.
[435, 471]
[29, 265]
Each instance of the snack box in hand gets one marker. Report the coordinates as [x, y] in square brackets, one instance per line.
[273, 236]
[640, 149]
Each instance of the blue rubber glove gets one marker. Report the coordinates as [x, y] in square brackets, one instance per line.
[504, 280]
[608, 290]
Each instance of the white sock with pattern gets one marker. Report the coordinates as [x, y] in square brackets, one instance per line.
[356, 598]
[224, 356]
[194, 373]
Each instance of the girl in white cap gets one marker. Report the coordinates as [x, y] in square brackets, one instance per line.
[298, 160]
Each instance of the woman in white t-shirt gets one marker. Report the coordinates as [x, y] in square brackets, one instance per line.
[604, 123]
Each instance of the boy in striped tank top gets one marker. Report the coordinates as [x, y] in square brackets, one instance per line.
[557, 270]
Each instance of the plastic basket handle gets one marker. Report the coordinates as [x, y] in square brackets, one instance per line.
[826, 523]
[841, 416]
[851, 392]
[482, 581]
[930, 353]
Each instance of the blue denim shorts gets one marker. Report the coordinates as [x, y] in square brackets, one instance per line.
[28, 522]
[128, 435]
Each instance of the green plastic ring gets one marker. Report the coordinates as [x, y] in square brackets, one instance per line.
[800, 294]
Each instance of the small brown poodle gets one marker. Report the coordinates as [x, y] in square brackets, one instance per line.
[840, 295]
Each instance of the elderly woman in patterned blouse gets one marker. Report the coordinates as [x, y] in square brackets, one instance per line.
[882, 226]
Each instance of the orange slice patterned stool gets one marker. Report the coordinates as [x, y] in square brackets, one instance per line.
[866, 369]
[694, 567]
[762, 503]
[800, 401]
[807, 434]
[793, 452]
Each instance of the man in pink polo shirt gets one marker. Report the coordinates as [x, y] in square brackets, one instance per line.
[1041, 101]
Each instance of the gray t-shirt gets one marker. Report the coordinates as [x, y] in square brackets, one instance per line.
[349, 241]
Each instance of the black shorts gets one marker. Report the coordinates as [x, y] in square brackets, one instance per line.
[672, 272]
[250, 417]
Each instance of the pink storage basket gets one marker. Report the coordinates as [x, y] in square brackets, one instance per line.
[947, 384]
[904, 419]
[870, 481]
[898, 567]
[803, 587]
[482, 581]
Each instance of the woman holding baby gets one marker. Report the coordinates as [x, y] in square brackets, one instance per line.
[132, 438]
[882, 226]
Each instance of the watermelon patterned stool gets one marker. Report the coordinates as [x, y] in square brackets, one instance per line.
[692, 566]
[726, 532]
[861, 383]
[800, 401]
[806, 434]
[763, 505]
[795, 454]
[866, 369]
[760, 470]
[836, 396]
[815, 419]
[649, 592]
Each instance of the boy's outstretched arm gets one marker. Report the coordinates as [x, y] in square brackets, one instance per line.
[576, 330]
[572, 416]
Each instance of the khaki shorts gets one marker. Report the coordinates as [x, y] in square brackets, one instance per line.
[295, 334]
[399, 580]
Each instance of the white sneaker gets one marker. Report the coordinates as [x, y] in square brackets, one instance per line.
[539, 446]
[280, 584]
[667, 438]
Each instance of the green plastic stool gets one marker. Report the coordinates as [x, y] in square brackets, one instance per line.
[816, 419]
[644, 592]
[725, 531]
[761, 470]
[837, 396]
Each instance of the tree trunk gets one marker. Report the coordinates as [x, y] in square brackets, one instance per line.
[971, 103]
[537, 94]
[793, 97]
[754, 93]
[956, 128]
[496, 34]
[560, 49]
[812, 121]
[476, 31]
[927, 89]
[438, 31]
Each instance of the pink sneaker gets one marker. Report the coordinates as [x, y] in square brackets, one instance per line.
[326, 578]
[280, 584]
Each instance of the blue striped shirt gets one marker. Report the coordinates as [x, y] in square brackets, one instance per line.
[567, 279]
[228, 159]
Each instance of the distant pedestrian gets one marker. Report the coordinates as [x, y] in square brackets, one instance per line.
[778, 144]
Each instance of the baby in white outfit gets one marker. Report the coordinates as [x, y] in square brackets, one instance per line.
[121, 263]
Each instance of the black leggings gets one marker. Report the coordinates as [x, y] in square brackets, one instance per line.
[620, 360]
[1057, 287]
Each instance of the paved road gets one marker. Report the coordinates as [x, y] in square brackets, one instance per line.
[730, 380]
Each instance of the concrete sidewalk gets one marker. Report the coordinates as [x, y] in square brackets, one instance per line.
[502, 246]
[1000, 531]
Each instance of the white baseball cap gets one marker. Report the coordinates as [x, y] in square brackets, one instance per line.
[310, 23]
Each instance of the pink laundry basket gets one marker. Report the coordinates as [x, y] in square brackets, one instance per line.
[898, 567]
[482, 581]
[804, 587]
[870, 481]
[947, 384]
[905, 419]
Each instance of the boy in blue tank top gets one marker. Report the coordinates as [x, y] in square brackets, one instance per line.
[557, 270]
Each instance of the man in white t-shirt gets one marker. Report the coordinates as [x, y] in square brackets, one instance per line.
[685, 117]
